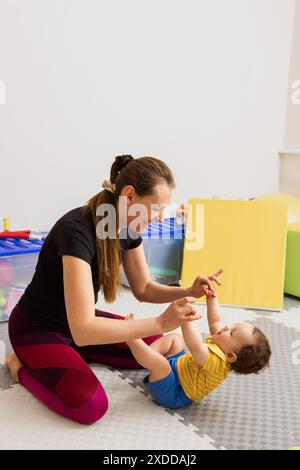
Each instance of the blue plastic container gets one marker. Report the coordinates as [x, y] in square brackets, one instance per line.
[18, 259]
[163, 246]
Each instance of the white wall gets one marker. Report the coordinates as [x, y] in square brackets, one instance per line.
[292, 131]
[200, 84]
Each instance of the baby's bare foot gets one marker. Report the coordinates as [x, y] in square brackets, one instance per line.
[14, 365]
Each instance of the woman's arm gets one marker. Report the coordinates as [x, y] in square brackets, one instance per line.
[87, 329]
[137, 272]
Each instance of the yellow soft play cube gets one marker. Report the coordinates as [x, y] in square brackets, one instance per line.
[245, 238]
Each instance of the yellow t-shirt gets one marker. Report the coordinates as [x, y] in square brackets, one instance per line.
[198, 381]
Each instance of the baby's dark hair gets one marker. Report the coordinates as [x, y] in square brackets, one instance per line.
[253, 358]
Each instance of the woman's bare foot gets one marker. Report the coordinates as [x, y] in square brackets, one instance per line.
[130, 316]
[14, 365]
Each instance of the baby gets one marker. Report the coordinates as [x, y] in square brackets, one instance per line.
[177, 378]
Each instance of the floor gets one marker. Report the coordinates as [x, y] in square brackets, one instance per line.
[256, 412]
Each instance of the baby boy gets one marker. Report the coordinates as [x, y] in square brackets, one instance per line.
[177, 378]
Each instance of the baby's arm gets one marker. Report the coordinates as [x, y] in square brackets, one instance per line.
[214, 318]
[194, 343]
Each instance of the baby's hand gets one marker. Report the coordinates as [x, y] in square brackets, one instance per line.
[210, 293]
[129, 317]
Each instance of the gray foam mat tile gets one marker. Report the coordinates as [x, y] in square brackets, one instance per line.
[249, 412]
[245, 412]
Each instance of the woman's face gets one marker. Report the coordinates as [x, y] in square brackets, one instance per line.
[142, 210]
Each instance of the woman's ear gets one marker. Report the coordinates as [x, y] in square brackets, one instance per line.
[231, 356]
[128, 192]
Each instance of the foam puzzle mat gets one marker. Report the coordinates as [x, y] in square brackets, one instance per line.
[250, 412]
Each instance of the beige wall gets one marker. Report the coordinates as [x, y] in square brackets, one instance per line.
[289, 158]
[289, 176]
[292, 131]
[201, 84]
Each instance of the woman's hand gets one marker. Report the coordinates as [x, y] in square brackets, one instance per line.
[178, 313]
[203, 285]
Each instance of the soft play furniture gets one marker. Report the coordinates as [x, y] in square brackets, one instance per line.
[245, 238]
[292, 266]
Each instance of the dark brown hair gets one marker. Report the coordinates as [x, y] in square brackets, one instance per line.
[143, 174]
[253, 358]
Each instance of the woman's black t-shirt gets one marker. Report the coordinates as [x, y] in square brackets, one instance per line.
[73, 234]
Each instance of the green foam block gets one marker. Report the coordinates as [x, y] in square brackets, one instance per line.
[292, 265]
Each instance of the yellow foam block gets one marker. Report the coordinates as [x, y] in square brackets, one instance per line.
[245, 238]
[294, 227]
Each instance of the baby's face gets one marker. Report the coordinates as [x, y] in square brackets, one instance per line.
[233, 338]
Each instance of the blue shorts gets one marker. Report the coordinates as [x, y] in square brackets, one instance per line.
[168, 392]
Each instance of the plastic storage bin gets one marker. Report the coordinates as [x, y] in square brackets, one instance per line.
[163, 246]
[18, 259]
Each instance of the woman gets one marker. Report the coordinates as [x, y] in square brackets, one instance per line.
[55, 329]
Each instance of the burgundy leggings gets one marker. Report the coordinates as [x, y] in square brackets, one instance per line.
[55, 370]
